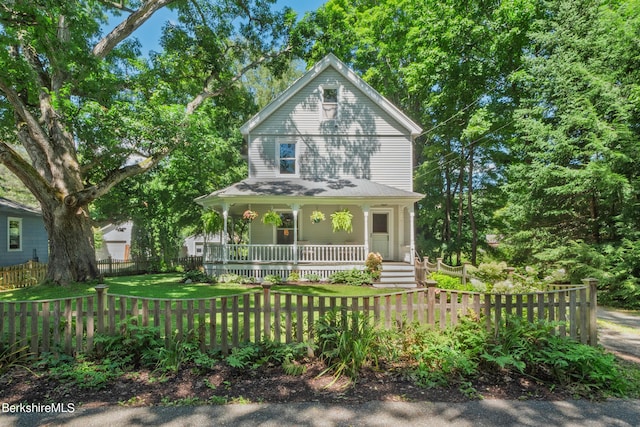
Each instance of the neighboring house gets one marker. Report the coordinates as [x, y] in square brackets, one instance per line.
[116, 242]
[329, 142]
[23, 236]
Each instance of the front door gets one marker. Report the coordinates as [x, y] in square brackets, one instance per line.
[380, 233]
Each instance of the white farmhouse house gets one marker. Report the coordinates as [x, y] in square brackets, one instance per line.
[329, 143]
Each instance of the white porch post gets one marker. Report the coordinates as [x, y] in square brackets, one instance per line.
[295, 209]
[412, 245]
[365, 211]
[225, 217]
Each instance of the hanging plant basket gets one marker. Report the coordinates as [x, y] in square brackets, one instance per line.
[249, 215]
[317, 216]
[341, 220]
[273, 218]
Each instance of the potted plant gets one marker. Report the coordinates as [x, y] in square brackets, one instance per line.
[249, 215]
[272, 217]
[341, 220]
[317, 216]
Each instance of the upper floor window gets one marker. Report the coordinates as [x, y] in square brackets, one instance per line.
[329, 103]
[287, 159]
[14, 230]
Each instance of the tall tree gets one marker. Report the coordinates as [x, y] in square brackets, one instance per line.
[578, 128]
[445, 63]
[91, 112]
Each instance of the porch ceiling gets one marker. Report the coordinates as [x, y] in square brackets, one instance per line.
[318, 191]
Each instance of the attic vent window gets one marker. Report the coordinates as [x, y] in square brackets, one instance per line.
[329, 103]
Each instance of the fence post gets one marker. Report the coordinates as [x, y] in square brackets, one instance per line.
[101, 289]
[592, 289]
[266, 292]
[465, 265]
[438, 264]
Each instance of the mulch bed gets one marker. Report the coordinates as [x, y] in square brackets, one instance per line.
[270, 384]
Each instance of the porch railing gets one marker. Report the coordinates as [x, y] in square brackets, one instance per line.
[305, 253]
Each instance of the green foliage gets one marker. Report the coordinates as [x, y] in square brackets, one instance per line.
[293, 277]
[312, 277]
[445, 357]
[11, 357]
[273, 218]
[317, 216]
[353, 277]
[449, 282]
[274, 279]
[196, 276]
[534, 349]
[133, 346]
[490, 273]
[346, 342]
[255, 355]
[341, 220]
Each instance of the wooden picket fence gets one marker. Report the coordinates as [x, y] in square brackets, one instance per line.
[22, 275]
[32, 273]
[222, 323]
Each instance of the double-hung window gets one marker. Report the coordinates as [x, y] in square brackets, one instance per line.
[287, 158]
[14, 231]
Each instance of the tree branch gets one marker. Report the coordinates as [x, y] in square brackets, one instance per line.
[34, 137]
[206, 93]
[89, 194]
[128, 26]
[26, 173]
[119, 6]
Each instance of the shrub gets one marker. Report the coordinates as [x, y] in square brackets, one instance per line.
[273, 279]
[196, 276]
[293, 277]
[374, 264]
[353, 277]
[447, 356]
[312, 277]
[449, 282]
[135, 346]
[255, 355]
[534, 349]
[491, 272]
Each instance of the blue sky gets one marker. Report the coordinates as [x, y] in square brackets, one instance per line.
[149, 33]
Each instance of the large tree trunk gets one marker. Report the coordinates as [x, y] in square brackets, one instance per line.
[72, 252]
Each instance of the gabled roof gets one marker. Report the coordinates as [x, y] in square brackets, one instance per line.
[7, 205]
[332, 61]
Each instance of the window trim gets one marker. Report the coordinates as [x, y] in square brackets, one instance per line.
[336, 103]
[20, 231]
[296, 159]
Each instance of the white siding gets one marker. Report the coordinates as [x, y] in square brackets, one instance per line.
[364, 142]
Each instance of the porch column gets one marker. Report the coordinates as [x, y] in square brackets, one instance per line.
[365, 211]
[294, 209]
[412, 244]
[225, 217]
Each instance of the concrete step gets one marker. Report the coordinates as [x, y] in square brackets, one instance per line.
[396, 275]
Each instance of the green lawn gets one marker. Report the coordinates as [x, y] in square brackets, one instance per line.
[168, 286]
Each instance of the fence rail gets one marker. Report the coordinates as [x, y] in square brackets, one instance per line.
[222, 323]
[32, 273]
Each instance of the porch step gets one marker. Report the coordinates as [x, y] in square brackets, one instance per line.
[397, 275]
